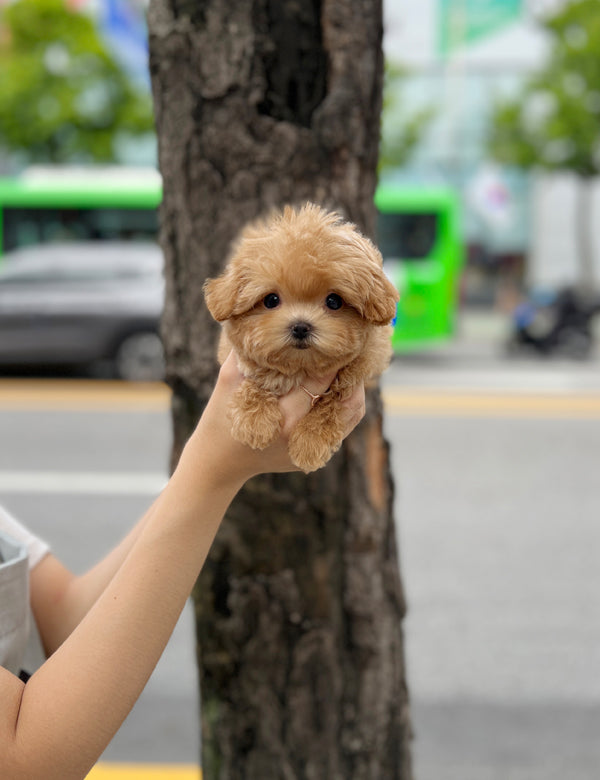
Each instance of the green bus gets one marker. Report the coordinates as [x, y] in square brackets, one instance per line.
[51, 205]
[418, 233]
[419, 236]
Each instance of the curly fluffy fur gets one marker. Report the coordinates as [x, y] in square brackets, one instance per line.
[303, 293]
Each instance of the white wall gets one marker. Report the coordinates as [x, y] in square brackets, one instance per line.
[553, 257]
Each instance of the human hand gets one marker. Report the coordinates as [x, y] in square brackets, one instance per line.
[235, 462]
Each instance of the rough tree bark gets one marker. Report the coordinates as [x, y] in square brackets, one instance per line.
[299, 607]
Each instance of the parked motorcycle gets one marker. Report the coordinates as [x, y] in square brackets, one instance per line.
[561, 327]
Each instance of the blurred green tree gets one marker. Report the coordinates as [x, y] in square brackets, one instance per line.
[63, 96]
[553, 124]
[399, 133]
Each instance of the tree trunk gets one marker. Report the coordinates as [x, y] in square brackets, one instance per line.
[299, 607]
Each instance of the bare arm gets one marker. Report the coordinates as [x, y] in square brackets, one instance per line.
[60, 722]
[60, 599]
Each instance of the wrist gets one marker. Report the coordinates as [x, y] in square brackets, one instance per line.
[214, 462]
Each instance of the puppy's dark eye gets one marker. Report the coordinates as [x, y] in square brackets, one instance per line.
[334, 301]
[271, 301]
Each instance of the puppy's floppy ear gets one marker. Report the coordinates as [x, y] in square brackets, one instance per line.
[365, 286]
[369, 291]
[219, 295]
[381, 301]
[230, 294]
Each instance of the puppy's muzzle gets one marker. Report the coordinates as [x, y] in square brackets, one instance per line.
[301, 333]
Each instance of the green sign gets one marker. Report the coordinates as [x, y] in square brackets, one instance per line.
[464, 21]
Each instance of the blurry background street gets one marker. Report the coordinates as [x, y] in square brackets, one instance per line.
[495, 464]
[497, 507]
[488, 203]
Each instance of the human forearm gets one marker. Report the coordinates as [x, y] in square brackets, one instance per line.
[60, 599]
[74, 704]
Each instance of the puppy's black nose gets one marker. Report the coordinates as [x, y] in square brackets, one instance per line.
[301, 330]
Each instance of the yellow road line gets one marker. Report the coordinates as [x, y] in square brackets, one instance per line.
[77, 394]
[145, 772]
[469, 404]
[80, 395]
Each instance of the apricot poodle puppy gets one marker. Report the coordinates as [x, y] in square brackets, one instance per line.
[303, 293]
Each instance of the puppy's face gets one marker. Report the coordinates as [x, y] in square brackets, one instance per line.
[300, 321]
[301, 292]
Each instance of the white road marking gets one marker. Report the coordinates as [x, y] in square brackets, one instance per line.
[82, 482]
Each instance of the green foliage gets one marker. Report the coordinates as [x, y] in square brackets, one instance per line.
[63, 97]
[399, 133]
[554, 122]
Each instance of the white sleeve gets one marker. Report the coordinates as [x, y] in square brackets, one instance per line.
[36, 547]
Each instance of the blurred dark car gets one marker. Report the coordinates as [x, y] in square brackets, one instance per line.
[91, 304]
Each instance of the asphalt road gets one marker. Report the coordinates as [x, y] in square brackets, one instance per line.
[497, 504]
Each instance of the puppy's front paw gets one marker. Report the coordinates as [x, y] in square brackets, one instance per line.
[315, 439]
[309, 455]
[255, 416]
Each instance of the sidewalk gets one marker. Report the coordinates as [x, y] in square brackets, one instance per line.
[476, 358]
[482, 334]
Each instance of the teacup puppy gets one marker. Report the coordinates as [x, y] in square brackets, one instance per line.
[303, 294]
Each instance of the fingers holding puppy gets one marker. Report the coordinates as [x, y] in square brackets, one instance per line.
[316, 423]
[319, 434]
[298, 402]
[294, 406]
[352, 408]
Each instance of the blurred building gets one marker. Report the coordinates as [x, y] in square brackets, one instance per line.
[461, 57]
